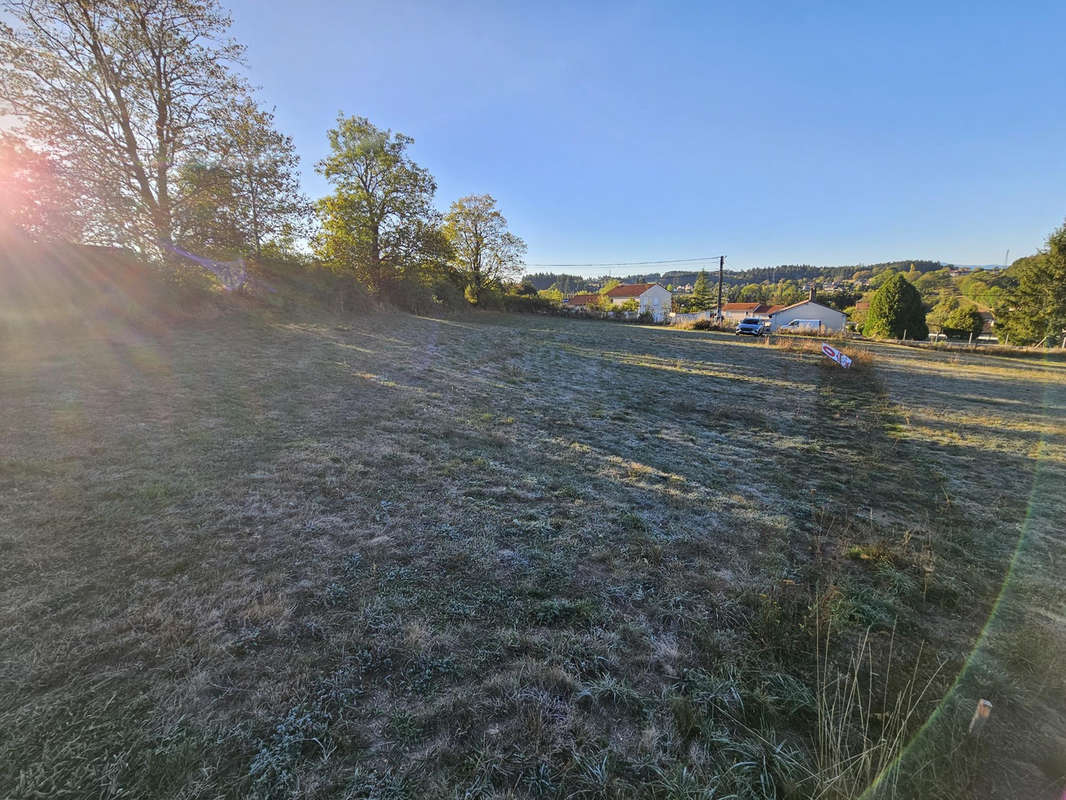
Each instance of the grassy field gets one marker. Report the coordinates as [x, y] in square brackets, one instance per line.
[498, 556]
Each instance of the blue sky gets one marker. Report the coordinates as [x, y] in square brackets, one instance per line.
[822, 133]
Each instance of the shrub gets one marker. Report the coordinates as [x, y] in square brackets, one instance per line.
[426, 296]
[524, 304]
[963, 323]
[896, 311]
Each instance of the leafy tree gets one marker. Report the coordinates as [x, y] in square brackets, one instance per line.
[879, 279]
[963, 322]
[527, 289]
[751, 293]
[1035, 308]
[121, 93]
[380, 217]
[839, 299]
[939, 313]
[896, 310]
[609, 284]
[702, 299]
[262, 164]
[246, 195]
[550, 294]
[484, 252]
[32, 198]
[207, 221]
[787, 292]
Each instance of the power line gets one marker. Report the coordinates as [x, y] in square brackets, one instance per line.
[631, 263]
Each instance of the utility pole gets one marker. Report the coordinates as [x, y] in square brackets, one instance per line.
[721, 267]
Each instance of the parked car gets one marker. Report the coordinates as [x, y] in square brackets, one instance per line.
[751, 326]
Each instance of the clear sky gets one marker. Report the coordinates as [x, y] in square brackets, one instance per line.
[778, 132]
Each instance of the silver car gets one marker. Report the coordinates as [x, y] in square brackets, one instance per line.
[751, 326]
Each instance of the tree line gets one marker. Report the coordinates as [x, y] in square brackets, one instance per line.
[733, 280]
[136, 128]
[1028, 301]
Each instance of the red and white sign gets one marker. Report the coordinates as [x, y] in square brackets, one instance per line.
[836, 355]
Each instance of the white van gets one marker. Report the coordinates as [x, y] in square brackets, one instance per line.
[814, 325]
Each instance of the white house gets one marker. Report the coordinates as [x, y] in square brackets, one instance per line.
[651, 298]
[808, 315]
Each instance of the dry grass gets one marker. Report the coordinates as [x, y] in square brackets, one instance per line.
[861, 355]
[492, 556]
[865, 719]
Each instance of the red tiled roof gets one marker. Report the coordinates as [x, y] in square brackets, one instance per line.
[582, 299]
[752, 308]
[630, 289]
[774, 308]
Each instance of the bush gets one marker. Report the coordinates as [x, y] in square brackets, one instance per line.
[896, 311]
[962, 323]
[426, 296]
[524, 304]
[705, 325]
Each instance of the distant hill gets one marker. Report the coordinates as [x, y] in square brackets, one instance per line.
[568, 284]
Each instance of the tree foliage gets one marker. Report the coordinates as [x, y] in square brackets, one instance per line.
[484, 252]
[208, 221]
[246, 195]
[963, 322]
[380, 218]
[1035, 308]
[263, 167]
[121, 92]
[896, 311]
[703, 299]
[32, 198]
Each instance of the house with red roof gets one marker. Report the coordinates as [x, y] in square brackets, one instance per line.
[581, 302]
[651, 298]
[735, 312]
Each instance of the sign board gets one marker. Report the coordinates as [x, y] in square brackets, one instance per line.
[836, 355]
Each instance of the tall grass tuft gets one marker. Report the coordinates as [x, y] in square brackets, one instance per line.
[863, 726]
[862, 360]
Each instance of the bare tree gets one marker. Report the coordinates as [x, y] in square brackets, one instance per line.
[120, 92]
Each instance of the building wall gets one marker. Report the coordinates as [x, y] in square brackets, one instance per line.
[658, 301]
[831, 319]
